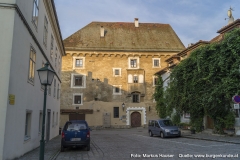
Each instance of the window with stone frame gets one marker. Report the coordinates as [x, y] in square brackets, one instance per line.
[35, 12]
[135, 79]
[28, 125]
[78, 80]
[115, 112]
[117, 89]
[78, 62]
[116, 72]
[45, 34]
[135, 97]
[32, 61]
[52, 47]
[133, 63]
[77, 99]
[156, 62]
[155, 80]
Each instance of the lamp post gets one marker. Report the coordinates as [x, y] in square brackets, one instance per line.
[46, 75]
[123, 105]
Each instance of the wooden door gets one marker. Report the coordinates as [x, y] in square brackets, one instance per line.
[135, 119]
[209, 123]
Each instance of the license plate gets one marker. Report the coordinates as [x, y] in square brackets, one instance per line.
[175, 132]
[76, 139]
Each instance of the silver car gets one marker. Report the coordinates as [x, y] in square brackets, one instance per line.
[163, 128]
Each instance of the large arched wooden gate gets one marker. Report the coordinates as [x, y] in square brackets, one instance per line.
[135, 119]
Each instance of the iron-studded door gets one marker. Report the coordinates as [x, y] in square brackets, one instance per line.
[76, 117]
[106, 119]
[135, 119]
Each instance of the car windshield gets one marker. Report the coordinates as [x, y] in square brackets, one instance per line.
[166, 123]
[75, 126]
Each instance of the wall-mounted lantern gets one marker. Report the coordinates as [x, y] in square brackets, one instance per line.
[123, 105]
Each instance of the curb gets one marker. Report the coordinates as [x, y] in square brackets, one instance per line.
[55, 155]
[210, 139]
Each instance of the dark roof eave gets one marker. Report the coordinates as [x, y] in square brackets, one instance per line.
[184, 52]
[55, 13]
[122, 49]
[229, 26]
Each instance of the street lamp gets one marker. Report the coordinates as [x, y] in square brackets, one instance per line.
[46, 75]
[123, 105]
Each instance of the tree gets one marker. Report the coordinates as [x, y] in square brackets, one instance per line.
[204, 83]
[159, 98]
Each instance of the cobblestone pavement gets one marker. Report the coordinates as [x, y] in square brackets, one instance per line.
[123, 143]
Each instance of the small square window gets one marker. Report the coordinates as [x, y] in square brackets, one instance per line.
[78, 80]
[79, 63]
[116, 71]
[135, 98]
[156, 63]
[117, 90]
[77, 99]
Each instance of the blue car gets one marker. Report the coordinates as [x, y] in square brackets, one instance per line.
[75, 133]
[163, 128]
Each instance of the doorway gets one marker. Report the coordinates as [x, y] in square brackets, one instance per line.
[135, 119]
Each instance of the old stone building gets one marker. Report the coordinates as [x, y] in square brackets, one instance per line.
[108, 72]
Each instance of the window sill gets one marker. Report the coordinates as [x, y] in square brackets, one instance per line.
[77, 104]
[78, 67]
[30, 82]
[27, 138]
[78, 87]
[117, 93]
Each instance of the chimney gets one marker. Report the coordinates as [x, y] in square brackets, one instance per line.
[136, 22]
[102, 31]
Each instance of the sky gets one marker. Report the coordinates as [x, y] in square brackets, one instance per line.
[192, 20]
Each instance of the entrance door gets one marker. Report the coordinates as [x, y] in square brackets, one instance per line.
[48, 125]
[135, 119]
[209, 123]
[76, 117]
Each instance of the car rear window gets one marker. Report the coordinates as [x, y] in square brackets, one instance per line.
[75, 126]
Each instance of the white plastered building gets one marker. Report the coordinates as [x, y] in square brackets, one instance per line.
[30, 36]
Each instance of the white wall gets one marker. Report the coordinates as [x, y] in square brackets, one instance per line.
[6, 30]
[15, 42]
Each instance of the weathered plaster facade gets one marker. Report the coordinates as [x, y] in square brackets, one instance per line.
[98, 64]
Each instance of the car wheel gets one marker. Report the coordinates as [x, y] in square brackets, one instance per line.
[150, 133]
[62, 148]
[162, 135]
[88, 147]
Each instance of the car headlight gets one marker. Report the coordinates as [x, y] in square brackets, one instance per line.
[167, 130]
